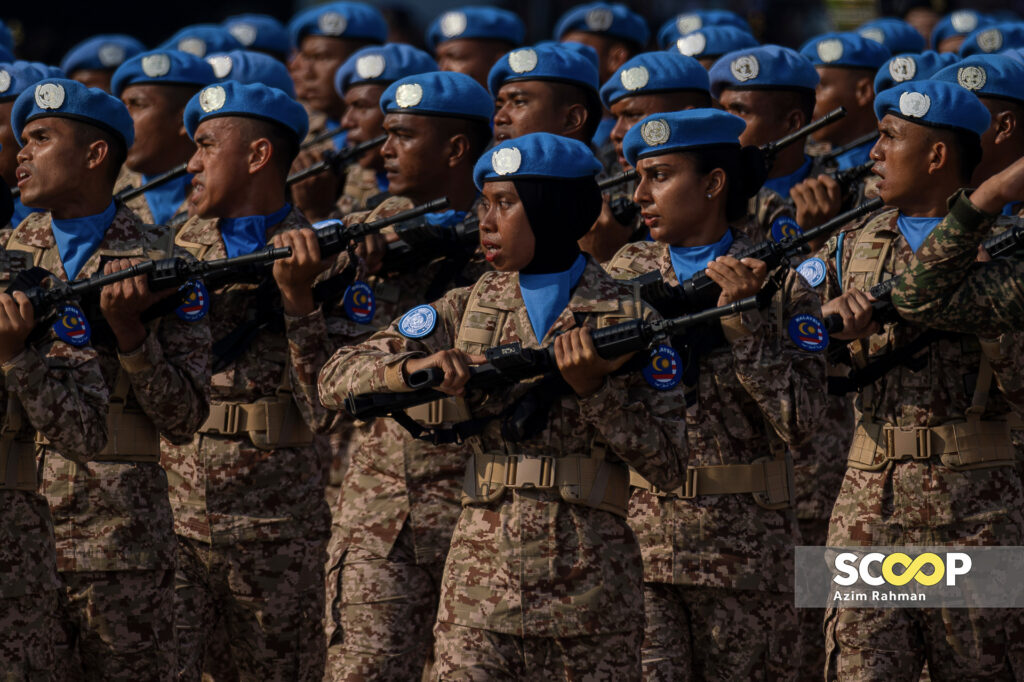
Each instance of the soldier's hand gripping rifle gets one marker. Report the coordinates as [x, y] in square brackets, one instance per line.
[335, 161]
[46, 299]
[511, 363]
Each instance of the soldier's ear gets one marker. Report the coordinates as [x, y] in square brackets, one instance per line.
[714, 183]
[864, 91]
[575, 120]
[96, 153]
[459, 149]
[260, 153]
[1006, 126]
[618, 55]
[795, 120]
[939, 156]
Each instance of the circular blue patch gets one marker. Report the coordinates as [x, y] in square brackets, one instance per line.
[360, 303]
[665, 369]
[808, 333]
[785, 227]
[418, 322]
[813, 270]
[195, 301]
[71, 326]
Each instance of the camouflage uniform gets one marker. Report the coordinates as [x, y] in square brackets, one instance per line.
[530, 578]
[946, 499]
[248, 503]
[718, 571]
[115, 536]
[56, 390]
[360, 186]
[763, 209]
[128, 179]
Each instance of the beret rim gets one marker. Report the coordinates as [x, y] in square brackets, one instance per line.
[659, 151]
[553, 79]
[492, 177]
[654, 91]
[929, 124]
[95, 123]
[243, 114]
[416, 111]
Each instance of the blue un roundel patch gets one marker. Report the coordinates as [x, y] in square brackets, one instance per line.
[808, 333]
[195, 301]
[665, 369]
[71, 326]
[813, 270]
[418, 322]
[359, 302]
[785, 227]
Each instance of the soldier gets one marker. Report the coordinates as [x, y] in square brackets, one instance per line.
[16, 77]
[689, 22]
[202, 40]
[911, 67]
[709, 44]
[949, 34]
[247, 67]
[156, 86]
[93, 61]
[471, 39]
[260, 33]
[896, 35]
[115, 536]
[993, 37]
[910, 480]
[557, 593]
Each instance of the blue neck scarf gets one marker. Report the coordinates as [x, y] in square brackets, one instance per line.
[21, 211]
[78, 238]
[249, 233]
[604, 131]
[688, 260]
[782, 185]
[447, 218]
[547, 294]
[165, 199]
[916, 230]
[382, 181]
[338, 140]
[1010, 210]
[855, 156]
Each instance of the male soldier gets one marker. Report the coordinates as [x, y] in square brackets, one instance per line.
[949, 34]
[112, 518]
[260, 33]
[709, 44]
[15, 77]
[470, 40]
[931, 462]
[156, 86]
[400, 496]
[93, 61]
[202, 40]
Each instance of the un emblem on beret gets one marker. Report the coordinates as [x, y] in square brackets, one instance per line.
[221, 65]
[453, 24]
[688, 23]
[243, 33]
[990, 40]
[874, 34]
[635, 78]
[902, 69]
[963, 22]
[830, 50]
[745, 68]
[655, 132]
[5, 80]
[971, 77]
[506, 161]
[193, 46]
[332, 23]
[522, 61]
[599, 19]
[49, 95]
[370, 66]
[110, 55]
[156, 65]
[692, 45]
[212, 98]
[408, 95]
[914, 104]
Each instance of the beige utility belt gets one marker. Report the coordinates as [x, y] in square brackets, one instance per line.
[17, 465]
[579, 479]
[972, 444]
[131, 437]
[768, 479]
[269, 423]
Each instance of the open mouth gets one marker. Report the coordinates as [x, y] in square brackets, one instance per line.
[21, 175]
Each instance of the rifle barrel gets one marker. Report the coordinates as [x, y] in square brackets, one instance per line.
[773, 148]
[100, 281]
[323, 135]
[619, 179]
[130, 193]
[863, 139]
[332, 160]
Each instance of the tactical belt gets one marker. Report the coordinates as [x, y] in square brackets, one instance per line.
[132, 437]
[269, 423]
[579, 479]
[769, 479]
[972, 444]
[17, 465]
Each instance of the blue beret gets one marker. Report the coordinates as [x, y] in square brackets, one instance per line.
[64, 98]
[252, 67]
[536, 155]
[486, 23]
[6, 38]
[202, 39]
[15, 77]
[49, 71]
[713, 41]
[993, 38]
[934, 103]
[382, 65]
[101, 52]
[544, 62]
[652, 72]
[898, 36]
[849, 50]
[617, 21]
[912, 67]
[259, 32]
[254, 100]
[343, 20]
[960, 23]
[438, 93]
[768, 67]
[679, 131]
[162, 67]
[987, 75]
[688, 22]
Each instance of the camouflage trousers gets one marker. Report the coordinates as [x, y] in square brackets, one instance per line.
[465, 654]
[715, 633]
[116, 625]
[813, 532]
[27, 624]
[380, 612]
[269, 597]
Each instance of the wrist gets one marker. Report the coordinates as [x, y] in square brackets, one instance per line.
[130, 334]
[297, 302]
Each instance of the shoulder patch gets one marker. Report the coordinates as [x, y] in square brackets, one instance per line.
[813, 270]
[71, 326]
[418, 322]
[785, 227]
[360, 303]
[195, 301]
[808, 333]
[664, 370]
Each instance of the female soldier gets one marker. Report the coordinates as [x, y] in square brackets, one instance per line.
[543, 578]
[718, 551]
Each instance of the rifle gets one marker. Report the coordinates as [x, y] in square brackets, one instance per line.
[772, 149]
[511, 363]
[44, 300]
[322, 136]
[848, 179]
[334, 161]
[839, 151]
[130, 193]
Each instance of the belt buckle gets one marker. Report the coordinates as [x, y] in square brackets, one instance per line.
[525, 471]
[910, 443]
[229, 425]
[689, 489]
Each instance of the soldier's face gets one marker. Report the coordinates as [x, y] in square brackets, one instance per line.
[902, 157]
[470, 56]
[52, 164]
[8, 145]
[220, 166]
[669, 192]
[313, 72]
[364, 120]
[505, 235]
[411, 154]
[840, 88]
[628, 111]
[599, 44]
[93, 78]
[760, 110]
[524, 107]
[159, 127]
